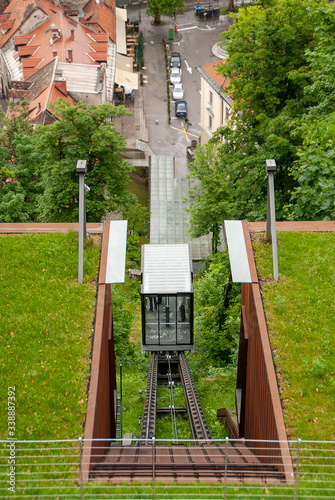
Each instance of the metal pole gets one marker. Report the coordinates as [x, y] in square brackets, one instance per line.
[120, 402]
[81, 467]
[81, 227]
[225, 469]
[271, 215]
[297, 470]
[153, 467]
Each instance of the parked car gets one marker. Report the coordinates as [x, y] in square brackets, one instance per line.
[175, 75]
[181, 109]
[175, 61]
[178, 91]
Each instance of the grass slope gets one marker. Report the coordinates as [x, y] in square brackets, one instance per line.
[300, 314]
[45, 330]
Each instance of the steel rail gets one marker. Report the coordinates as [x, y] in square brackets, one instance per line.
[149, 414]
[198, 423]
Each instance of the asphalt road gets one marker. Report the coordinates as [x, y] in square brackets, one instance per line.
[194, 40]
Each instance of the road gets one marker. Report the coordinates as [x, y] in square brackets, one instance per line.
[194, 40]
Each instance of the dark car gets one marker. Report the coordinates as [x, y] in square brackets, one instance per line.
[181, 108]
[175, 61]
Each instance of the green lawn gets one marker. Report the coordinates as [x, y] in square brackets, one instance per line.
[300, 313]
[45, 332]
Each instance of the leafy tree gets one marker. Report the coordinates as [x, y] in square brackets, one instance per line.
[83, 132]
[19, 180]
[209, 198]
[271, 73]
[138, 217]
[16, 122]
[314, 171]
[156, 8]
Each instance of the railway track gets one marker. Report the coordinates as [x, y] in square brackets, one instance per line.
[149, 414]
[198, 424]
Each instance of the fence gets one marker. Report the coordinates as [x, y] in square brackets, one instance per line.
[53, 470]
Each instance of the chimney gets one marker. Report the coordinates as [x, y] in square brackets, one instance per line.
[60, 84]
[72, 33]
[54, 53]
[69, 55]
[55, 33]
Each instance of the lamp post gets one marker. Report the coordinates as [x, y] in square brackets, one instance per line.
[81, 170]
[271, 215]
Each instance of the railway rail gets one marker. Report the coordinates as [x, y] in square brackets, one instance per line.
[149, 414]
[198, 424]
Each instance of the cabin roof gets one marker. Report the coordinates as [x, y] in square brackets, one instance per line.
[166, 269]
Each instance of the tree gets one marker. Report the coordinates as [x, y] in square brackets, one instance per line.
[156, 8]
[210, 197]
[19, 180]
[314, 171]
[84, 132]
[268, 67]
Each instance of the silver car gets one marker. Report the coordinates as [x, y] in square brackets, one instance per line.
[178, 91]
[175, 75]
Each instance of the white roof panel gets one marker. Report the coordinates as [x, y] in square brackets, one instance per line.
[166, 269]
[116, 255]
[238, 256]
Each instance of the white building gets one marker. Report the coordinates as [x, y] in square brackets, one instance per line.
[216, 106]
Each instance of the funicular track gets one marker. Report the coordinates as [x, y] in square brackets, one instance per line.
[204, 460]
[198, 424]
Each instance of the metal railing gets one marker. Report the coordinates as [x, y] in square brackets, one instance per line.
[54, 470]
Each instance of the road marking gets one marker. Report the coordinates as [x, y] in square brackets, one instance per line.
[208, 28]
[188, 67]
[184, 131]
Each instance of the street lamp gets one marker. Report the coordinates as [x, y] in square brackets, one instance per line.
[271, 215]
[81, 170]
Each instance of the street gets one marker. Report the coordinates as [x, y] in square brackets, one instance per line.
[194, 40]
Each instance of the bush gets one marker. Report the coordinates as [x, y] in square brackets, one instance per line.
[217, 314]
[133, 248]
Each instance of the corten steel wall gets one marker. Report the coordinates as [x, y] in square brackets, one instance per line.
[261, 411]
[100, 418]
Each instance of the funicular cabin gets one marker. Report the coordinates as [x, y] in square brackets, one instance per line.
[167, 298]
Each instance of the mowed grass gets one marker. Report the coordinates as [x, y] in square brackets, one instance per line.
[300, 314]
[45, 332]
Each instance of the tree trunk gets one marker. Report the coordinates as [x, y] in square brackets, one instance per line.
[231, 7]
[157, 19]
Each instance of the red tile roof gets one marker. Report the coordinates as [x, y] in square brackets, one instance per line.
[31, 62]
[22, 39]
[211, 68]
[18, 11]
[7, 25]
[27, 50]
[100, 18]
[70, 35]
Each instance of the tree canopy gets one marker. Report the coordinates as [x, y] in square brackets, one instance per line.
[156, 8]
[281, 70]
[40, 165]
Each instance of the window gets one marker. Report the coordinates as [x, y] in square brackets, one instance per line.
[210, 124]
[211, 98]
[226, 113]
